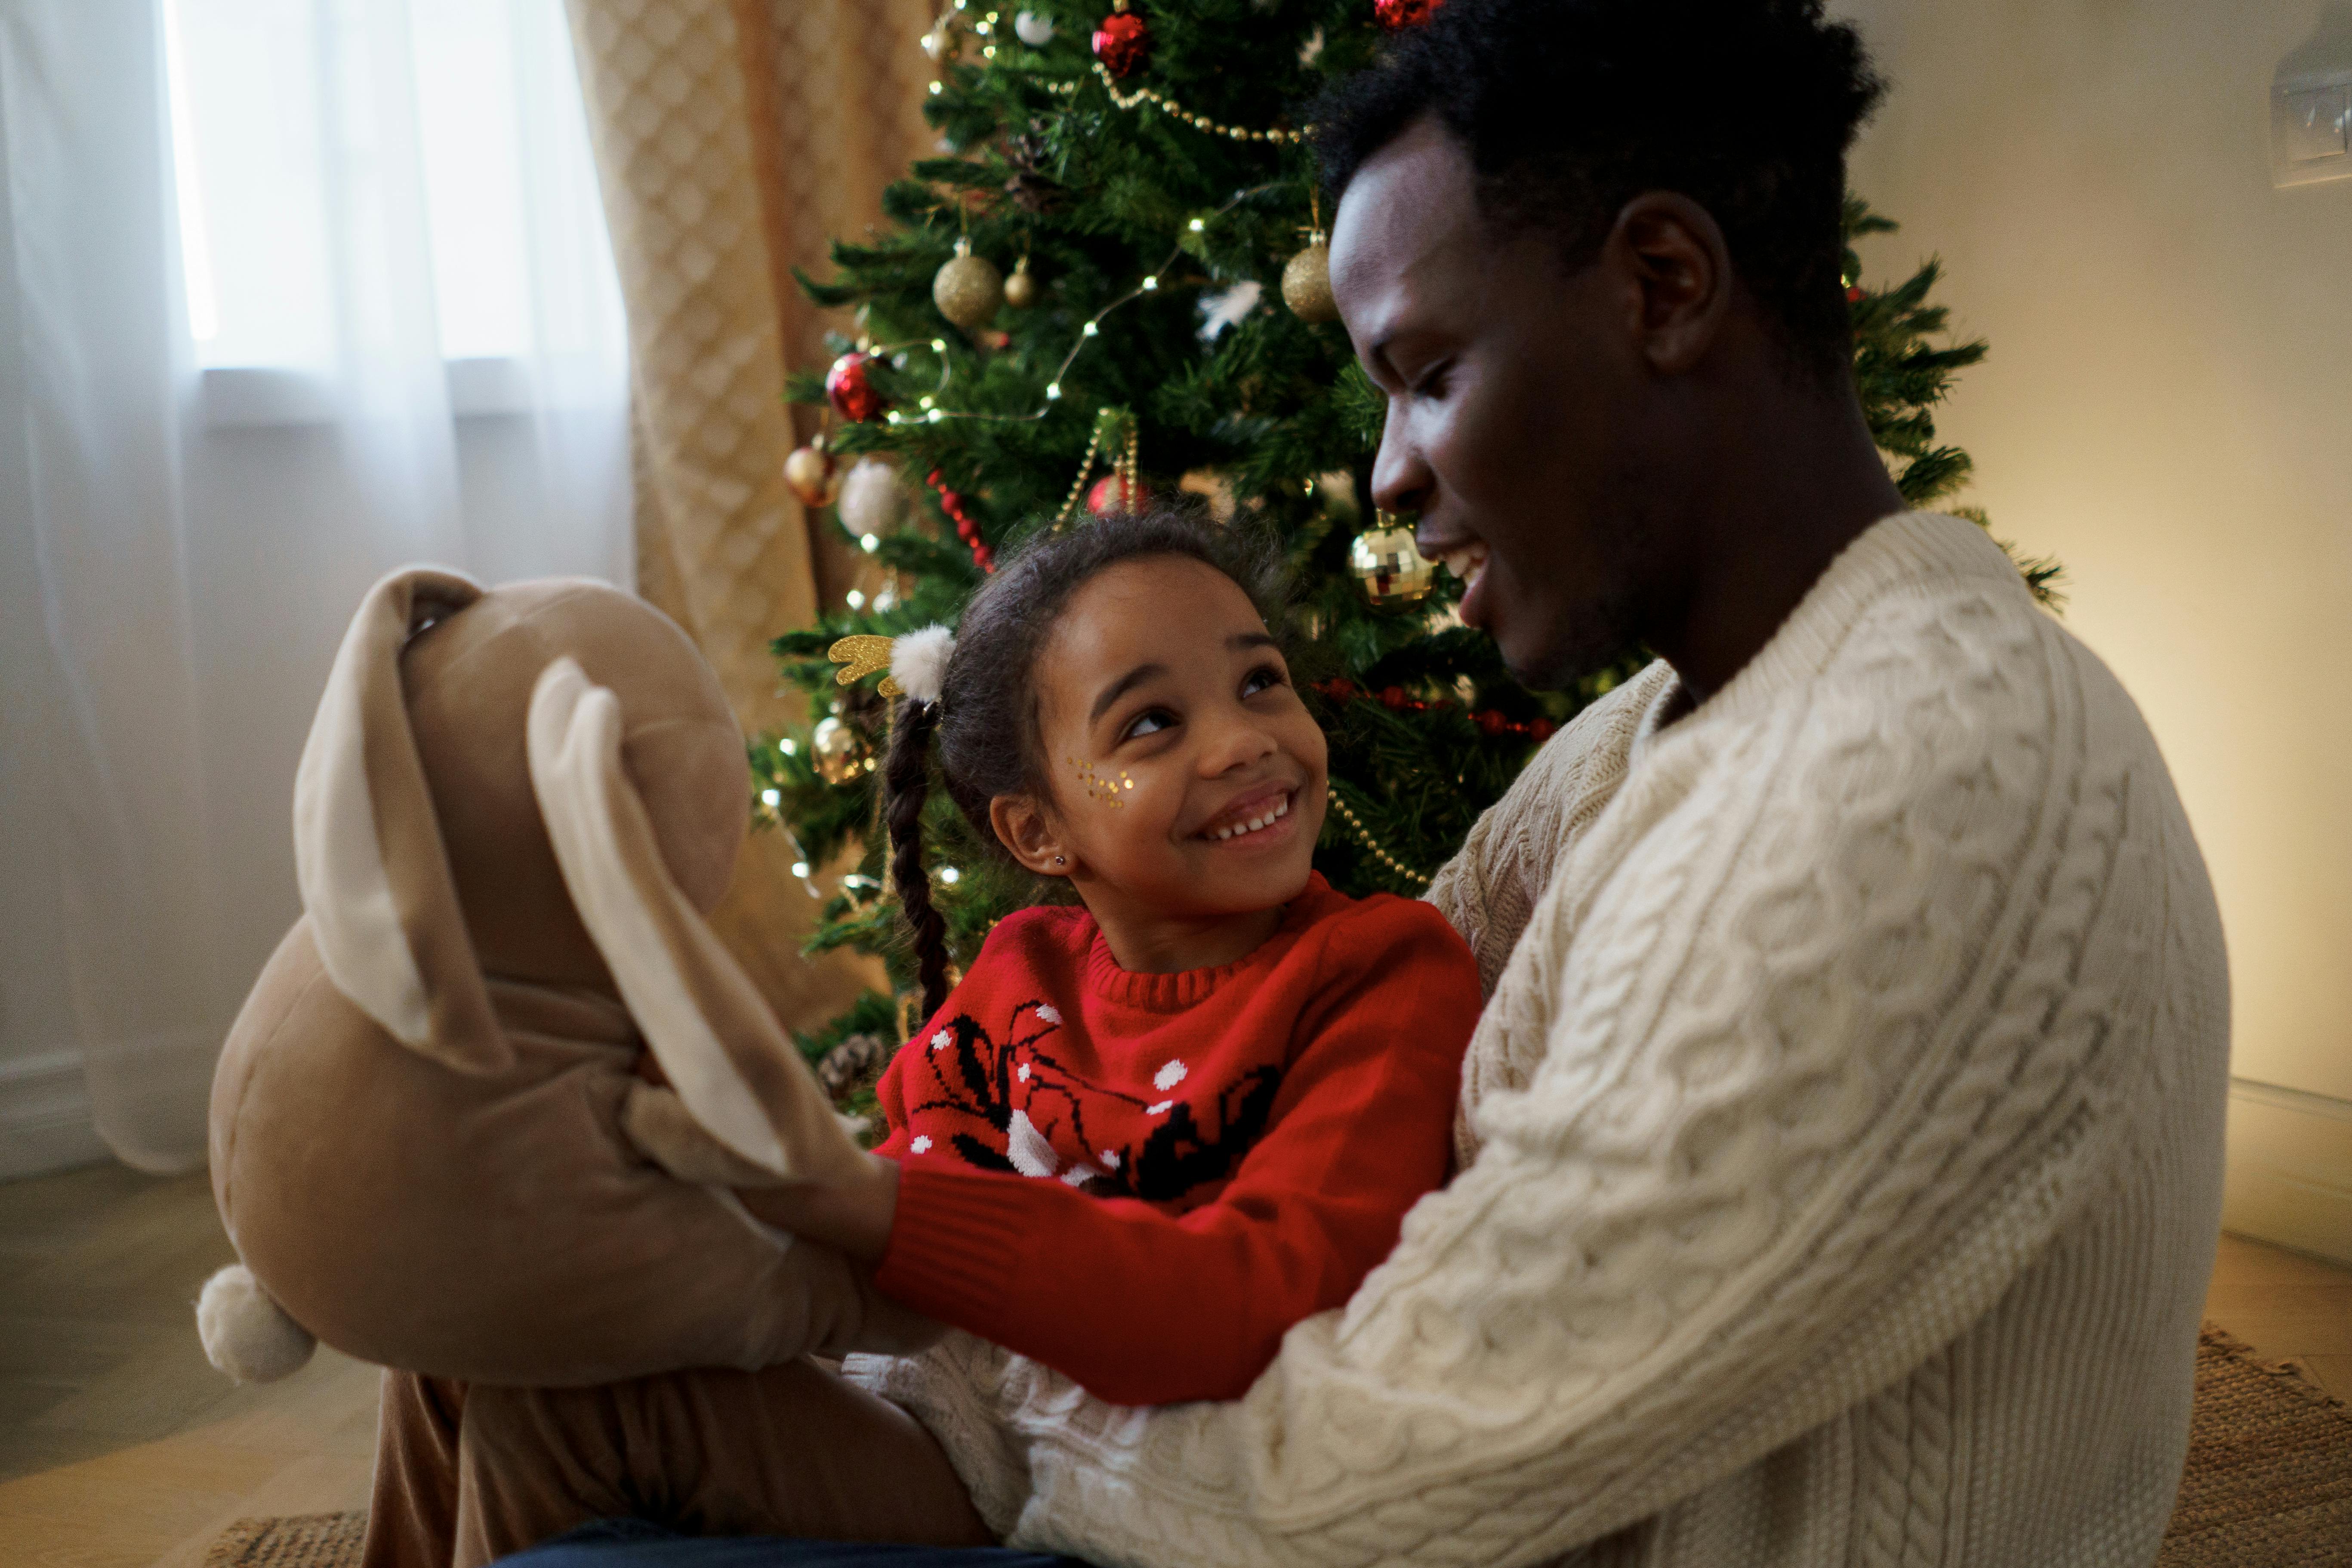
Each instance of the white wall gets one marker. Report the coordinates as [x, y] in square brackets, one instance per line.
[45, 1117]
[2168, 406]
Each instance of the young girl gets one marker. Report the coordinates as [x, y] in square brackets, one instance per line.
[1144, 1136]
[1139, 1139]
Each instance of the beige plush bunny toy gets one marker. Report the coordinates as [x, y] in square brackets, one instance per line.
[430, 1143]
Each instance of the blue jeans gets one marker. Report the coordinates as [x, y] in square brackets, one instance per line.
[635, 1544]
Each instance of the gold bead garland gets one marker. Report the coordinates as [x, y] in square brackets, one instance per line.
[1129, 468]
[1086, 466]
[1174, 110]
[1126, 466]
[1364, 837]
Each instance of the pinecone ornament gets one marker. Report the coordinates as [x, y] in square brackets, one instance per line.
[1032, 189]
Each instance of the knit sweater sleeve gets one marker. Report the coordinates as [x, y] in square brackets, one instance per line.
[1834, 1007]
[1145, 1307]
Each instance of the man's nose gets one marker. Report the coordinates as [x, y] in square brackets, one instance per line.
[1401, 480]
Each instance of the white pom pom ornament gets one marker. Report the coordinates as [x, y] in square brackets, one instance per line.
[872, 498]
[918, 662]
[247, 1333]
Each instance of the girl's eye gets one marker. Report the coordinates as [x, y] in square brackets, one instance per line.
[1149, 722]
[1263, 678]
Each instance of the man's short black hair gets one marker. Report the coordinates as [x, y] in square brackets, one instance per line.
[1568, 109]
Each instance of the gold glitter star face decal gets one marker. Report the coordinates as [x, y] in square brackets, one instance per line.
[860, 656]
[1100, 785]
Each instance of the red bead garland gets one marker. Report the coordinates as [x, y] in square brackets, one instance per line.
[967, 530]
[1396, 700]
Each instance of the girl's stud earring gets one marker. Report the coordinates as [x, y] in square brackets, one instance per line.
[1058, 860]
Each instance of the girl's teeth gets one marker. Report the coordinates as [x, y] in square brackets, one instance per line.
[1281, 808]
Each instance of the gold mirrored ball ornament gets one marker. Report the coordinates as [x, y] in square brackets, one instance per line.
[1389, 569]
[839, 753]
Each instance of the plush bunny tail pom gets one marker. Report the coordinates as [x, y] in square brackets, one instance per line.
[247, 1334]
[918, 662]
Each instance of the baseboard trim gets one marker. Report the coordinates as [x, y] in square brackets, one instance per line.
[45, 1115]
[2288, 1176]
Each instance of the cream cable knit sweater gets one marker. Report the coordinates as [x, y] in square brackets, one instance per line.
[1842, 1142]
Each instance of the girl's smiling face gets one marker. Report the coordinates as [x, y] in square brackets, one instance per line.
[1187, 778]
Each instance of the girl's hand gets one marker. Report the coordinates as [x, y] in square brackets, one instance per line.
[853, 1216]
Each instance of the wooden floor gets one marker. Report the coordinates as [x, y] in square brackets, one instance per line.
[120, 1447]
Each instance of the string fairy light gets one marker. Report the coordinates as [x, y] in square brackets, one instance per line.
[1090, 329]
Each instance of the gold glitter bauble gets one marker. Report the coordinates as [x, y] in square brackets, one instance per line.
[839, 752]
[944, 42]
[968, 289]
[1306, 284]
[1021, 289]
[1388, 567]
[812, 474]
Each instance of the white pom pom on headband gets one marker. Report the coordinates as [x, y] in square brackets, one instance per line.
[917, 661]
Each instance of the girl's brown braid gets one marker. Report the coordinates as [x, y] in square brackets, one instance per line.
[906, 782]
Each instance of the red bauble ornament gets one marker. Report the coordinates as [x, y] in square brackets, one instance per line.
[1112, 493]
[1396, 14]
[849, 387]
[1853, 295]
[1123, 42]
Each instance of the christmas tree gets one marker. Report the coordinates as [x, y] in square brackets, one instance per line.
[1166, 326]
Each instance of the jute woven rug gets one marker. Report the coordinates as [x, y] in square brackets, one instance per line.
[2269, 1478]
[297, 1540]
[2268, 1483]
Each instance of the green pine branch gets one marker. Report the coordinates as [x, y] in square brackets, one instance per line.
[1426, 726]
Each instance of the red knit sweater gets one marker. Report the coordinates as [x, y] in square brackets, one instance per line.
[1144, 1179]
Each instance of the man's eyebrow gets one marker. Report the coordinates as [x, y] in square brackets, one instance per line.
[1122, 686]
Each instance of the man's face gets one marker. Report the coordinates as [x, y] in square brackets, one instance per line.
[1523, 425]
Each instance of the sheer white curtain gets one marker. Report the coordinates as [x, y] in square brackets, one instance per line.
[292, 292]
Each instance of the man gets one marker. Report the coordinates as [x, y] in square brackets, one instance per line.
[1840, 1144]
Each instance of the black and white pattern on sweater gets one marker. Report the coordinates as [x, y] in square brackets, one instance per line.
[1023, 1094]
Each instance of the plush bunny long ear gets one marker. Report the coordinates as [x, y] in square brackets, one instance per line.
[732, 1066]
[367, 845]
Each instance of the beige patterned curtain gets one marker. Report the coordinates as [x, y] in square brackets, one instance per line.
[734, 139]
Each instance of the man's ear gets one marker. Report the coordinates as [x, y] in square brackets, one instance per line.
[1031, 833]
[1672, 253]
